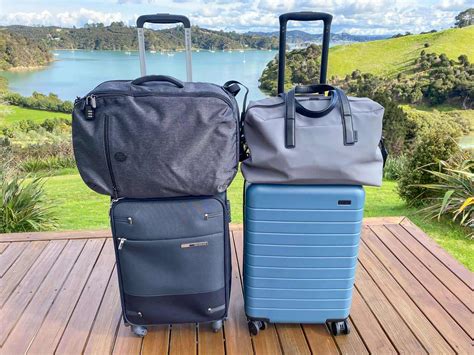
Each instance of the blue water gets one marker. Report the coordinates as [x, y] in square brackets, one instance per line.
[74, 73]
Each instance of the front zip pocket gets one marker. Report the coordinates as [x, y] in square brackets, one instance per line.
[172, 266]
[107, 155]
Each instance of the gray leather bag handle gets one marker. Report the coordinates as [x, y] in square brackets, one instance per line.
[293, 106]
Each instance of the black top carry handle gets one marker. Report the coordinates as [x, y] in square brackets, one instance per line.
[163, 19]
[303, 16]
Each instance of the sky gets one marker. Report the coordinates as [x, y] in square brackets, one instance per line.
[367, 17]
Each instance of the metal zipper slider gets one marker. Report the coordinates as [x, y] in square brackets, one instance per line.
[206, 216]
[121, 243]
[130, 220]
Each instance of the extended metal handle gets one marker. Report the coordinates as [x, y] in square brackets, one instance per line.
[303, 16]
[165, 19]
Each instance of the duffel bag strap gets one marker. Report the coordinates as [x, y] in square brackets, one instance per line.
[293, 106]
[233, 86]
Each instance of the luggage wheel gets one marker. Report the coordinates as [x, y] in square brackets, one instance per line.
[339, 327]
[255, 326]
[216, 325]
[139, 330]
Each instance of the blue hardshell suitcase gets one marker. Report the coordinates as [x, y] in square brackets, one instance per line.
[300, 253]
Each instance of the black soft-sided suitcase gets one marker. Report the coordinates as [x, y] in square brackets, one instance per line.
[173, 260]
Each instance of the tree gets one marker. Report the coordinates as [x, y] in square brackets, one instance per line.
[465, 18]
[463, 59]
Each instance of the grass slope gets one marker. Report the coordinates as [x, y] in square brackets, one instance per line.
[391, 56]
[81, 208]
[13, 114]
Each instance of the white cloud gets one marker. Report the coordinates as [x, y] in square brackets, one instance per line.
[353, 16]
[66, 19]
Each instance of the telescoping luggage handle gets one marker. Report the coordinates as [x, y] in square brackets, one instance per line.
[164, 19]
[303, 16]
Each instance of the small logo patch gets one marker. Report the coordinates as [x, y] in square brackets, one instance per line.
[192, 245]
[119, 156]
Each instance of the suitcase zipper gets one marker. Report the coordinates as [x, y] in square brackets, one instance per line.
[211, 215]
[95, 95]
[211, 310]
[107, 155]
[121, 243]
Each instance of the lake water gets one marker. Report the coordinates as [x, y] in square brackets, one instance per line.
[74, 73]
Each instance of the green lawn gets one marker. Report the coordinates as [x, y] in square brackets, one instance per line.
[391, 56]
[81, 208]
[13, 114]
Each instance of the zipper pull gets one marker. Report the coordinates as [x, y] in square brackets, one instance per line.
[91, 105]
[121, 243]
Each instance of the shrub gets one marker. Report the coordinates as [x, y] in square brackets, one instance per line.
[23, 206]
[39, 101]
[34, 165]
[394, 167]
[434, 142]
[454, 190]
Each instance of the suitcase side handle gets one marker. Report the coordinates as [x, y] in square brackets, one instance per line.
[303, 16]
[164, 19]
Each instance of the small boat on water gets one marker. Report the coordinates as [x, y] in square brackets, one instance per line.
[56, 54]
[212, 51]
[241, 51]
[170, 54]
[153, 52]
[128, 53]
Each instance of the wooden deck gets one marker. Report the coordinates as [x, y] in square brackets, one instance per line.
[59, 294]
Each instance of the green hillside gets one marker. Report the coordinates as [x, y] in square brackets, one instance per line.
[391, 56]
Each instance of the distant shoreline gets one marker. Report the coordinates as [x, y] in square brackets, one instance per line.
[165, 50]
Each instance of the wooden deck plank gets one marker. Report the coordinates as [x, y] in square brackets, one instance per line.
[77, 331]
[102, 335]
[3, 246]
[157, 341]
[10, 255]
[33, 316]
[266, 342]
[319, 339]
[19, 269]
[368, 327]
[437, 268]
[49, 334]
[292, 339]
[458, 311]
[396, 329]
[26, 289]
[210, 342]
[352, 343]
[183, 339]
[32, 236]
[237, 337]
[375, 221]
[127, 342]
[392, 276]
[417, 322]
[442, 255]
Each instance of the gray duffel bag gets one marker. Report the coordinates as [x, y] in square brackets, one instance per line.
[303, 138]
[156, 137]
